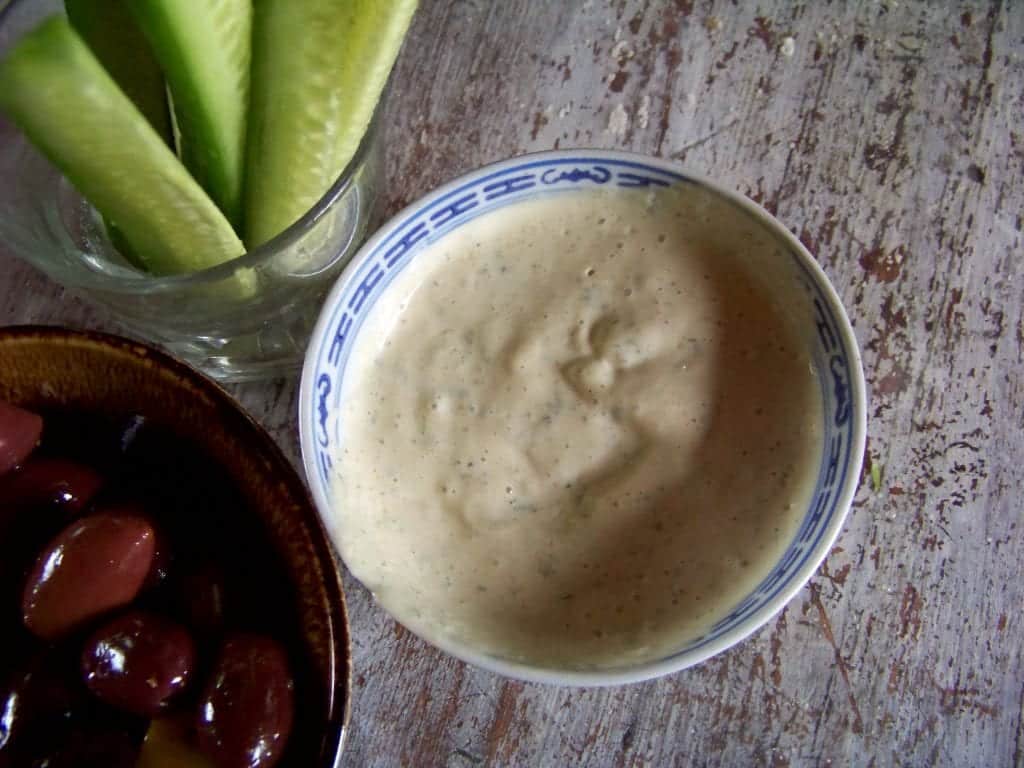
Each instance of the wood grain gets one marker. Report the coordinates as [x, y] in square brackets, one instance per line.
[887, 136]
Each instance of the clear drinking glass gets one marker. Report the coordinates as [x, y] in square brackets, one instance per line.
[231, 333]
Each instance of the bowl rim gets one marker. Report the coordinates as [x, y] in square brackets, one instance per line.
[258, 441]
[677, 661]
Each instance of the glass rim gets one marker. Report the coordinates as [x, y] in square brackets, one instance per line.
[142, 282]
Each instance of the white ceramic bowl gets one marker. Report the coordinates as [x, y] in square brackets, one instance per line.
[833, 351]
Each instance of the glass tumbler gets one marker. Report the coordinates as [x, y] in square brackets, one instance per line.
[248, 318]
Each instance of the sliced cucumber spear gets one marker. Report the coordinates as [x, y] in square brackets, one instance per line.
[115, 39]
[318, 70]
[55, 90]
[203, 47]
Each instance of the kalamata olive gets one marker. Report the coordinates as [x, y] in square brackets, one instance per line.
[162, 551]
[96, 563]
[36, 697]
[47, 718]
[37, 500]
[46, 480]
[138, 662]
[246, 709]
[199, 597]
[161, 567]
[19, 434]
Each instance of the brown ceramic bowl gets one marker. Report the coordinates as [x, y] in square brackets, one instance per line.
[51, 369]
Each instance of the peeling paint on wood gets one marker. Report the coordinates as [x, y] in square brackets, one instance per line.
[887, 136]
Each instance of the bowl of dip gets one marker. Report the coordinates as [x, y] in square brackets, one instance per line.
[581, 417]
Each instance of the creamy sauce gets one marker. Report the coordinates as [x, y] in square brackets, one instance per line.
[577, 431]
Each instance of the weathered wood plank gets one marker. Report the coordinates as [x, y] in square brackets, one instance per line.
[887, 136]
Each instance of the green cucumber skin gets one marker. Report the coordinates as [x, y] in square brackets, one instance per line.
[116, 40]
[57, 92]
[319, 68]
[204, 48]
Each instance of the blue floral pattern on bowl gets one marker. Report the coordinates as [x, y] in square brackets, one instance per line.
[835, 355]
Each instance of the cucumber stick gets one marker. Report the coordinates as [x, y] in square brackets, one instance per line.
[57, 92]
[203, 47]
[318, 70]
[115, 39]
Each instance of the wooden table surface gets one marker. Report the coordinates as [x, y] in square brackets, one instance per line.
[888, 136]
